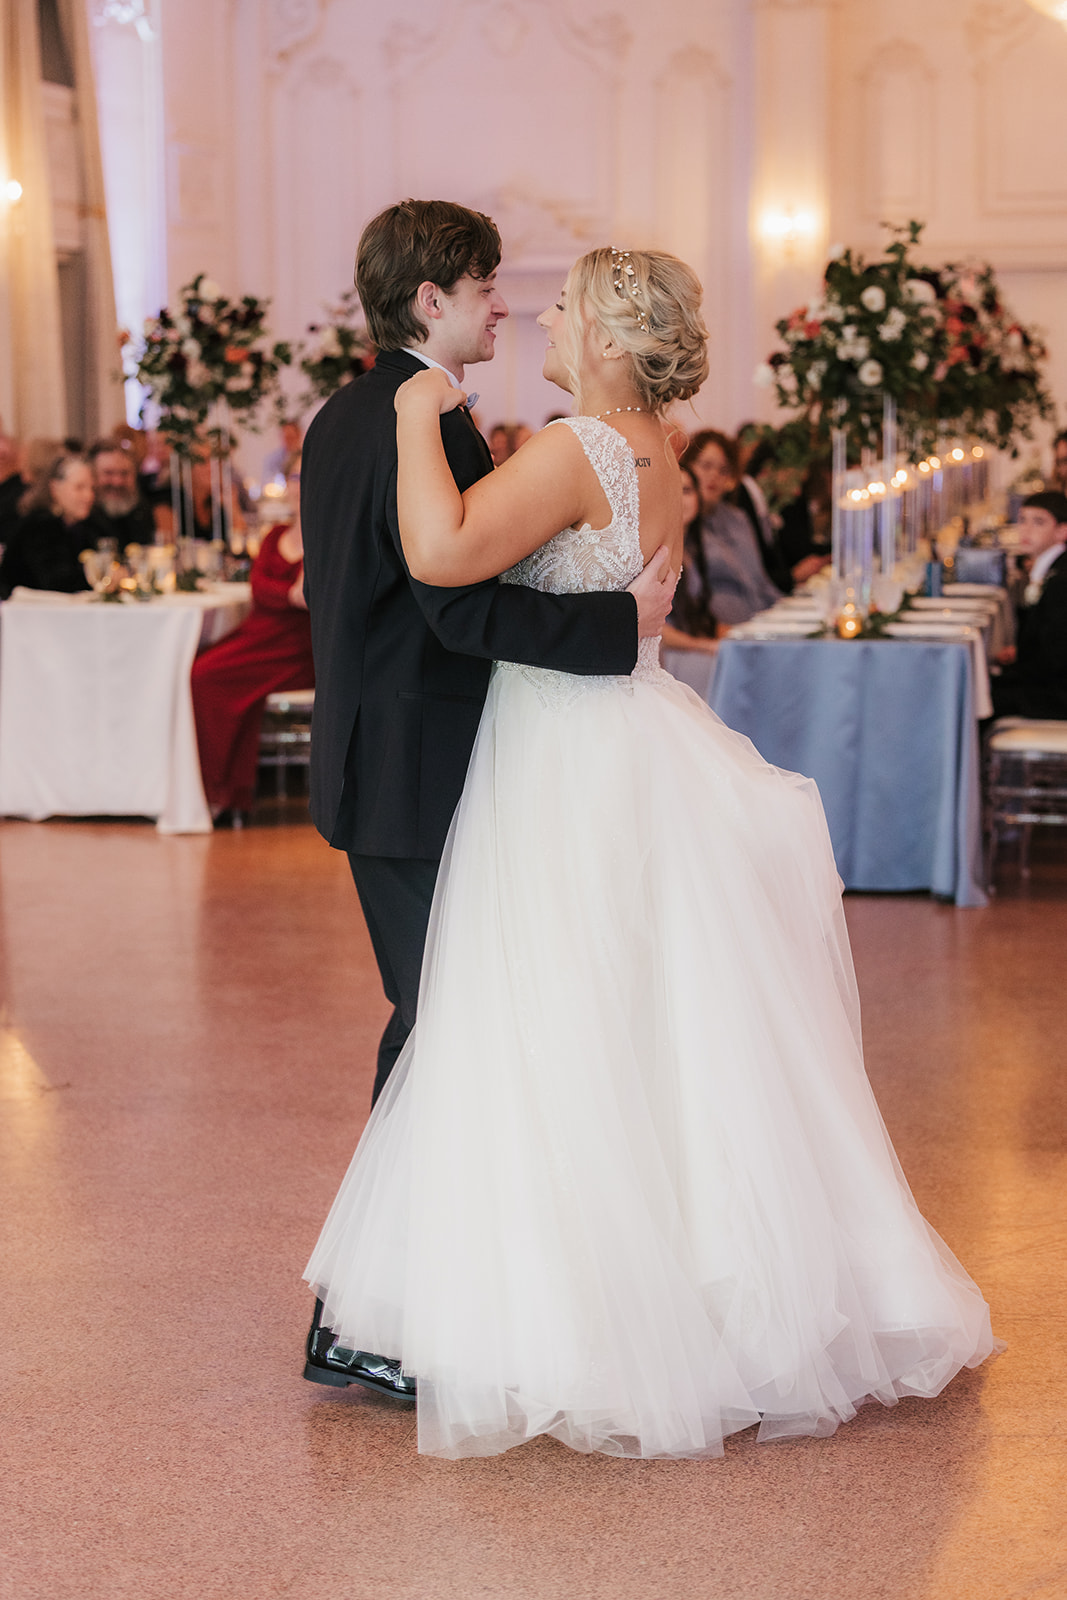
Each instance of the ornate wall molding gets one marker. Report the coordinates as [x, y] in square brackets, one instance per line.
[292, 24]
[898, 97]
[1020, 60]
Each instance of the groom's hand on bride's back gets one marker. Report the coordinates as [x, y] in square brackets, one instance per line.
[654, 593]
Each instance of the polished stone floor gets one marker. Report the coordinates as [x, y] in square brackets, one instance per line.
[185, 1061]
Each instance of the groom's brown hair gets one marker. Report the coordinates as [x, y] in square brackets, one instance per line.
[418, 241]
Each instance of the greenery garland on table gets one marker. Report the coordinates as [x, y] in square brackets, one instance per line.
[939, 340]
[211, 349]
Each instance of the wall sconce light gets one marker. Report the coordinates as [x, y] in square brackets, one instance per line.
[1056, 9]
[790, 228]
[12, 191]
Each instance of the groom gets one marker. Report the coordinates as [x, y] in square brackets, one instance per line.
[402, 669]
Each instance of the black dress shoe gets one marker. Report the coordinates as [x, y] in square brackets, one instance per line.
[332, 1364]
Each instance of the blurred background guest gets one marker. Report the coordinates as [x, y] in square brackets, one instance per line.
[53, 528]
[269, 652]
[505, 438]
[197, 513]
[120, 511]
[1033, 682]
[735, 572]
[692, 624]
[12, 485]
[1059, 463]
[755, 451]
[288, 446]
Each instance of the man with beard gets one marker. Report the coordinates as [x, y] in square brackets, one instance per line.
[120, 512]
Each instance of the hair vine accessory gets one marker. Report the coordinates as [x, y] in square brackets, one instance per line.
[624, 278]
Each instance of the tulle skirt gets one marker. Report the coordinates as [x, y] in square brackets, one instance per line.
[628, 1184]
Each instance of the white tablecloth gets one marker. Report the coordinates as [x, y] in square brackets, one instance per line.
[96, 716]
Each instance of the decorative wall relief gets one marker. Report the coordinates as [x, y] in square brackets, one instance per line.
[897, 90]
[317, 222]
[1020, 69]
[292, 23]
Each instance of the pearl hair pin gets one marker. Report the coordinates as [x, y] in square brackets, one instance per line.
[600, 415]
[624, 277]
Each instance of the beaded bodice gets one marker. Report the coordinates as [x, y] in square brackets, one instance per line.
[586, 560]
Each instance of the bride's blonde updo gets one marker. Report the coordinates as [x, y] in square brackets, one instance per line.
[651, 312]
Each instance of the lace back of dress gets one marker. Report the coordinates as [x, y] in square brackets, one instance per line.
[583, 560]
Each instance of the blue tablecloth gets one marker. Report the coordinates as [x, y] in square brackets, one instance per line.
[887, 729]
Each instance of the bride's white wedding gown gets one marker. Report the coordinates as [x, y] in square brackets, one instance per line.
[628, 1184]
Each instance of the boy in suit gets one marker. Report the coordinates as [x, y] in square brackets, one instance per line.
[1034, 680]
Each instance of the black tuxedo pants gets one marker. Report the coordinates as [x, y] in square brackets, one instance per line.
[396, 895]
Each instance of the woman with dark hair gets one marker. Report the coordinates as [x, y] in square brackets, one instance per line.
[735, 567]
[53, 530]
[692, 624]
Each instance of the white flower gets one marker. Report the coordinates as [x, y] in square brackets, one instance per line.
[197, 374]
[893, 326]
[919, 292]
[209, 289]
[816, 373]
[920, 361]
[191, 349]
[184, 326]
[763, 377]
[850, 348]
[238, 384]
[870, 373]
[330, 343]
[873, 297]
[832, 312]
[836, 251]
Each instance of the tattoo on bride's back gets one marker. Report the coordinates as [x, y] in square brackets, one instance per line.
[643, 461]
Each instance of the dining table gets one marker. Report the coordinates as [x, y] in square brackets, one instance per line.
[96, 713]
[888, 729]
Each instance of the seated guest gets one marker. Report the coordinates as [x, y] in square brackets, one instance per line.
[288, 447]
[1059, 463]
[1034, 680]
[12, 485]
[197, 514]
[120, 512]
[505, 438]
[735, 569]
[269, 652]
[44, 548]
[692, 624]
[755, 458]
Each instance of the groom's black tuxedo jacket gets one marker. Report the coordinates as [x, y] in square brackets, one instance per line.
[402, 669]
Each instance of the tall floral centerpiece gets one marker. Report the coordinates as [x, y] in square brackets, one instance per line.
[897, 352]
[206, 362]
[339, 350]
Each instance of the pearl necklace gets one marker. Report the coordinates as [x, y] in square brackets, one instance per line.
[599, 416]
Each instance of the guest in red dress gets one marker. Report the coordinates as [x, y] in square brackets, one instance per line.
[269, 652]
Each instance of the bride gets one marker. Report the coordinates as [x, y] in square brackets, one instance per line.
[628, 1184]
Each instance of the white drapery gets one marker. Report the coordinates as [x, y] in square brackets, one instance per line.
[33, 400]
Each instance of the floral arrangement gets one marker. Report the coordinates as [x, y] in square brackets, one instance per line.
[341, 350]
[939, 341]
[212, 349]
[988, 379]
